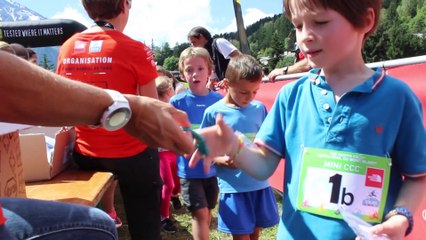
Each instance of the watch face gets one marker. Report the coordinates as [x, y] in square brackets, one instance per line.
[118, 119]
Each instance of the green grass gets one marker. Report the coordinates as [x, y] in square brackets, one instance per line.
[183, 223]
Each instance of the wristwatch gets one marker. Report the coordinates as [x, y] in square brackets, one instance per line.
[404, 212]
[117, 114]
[285, 70]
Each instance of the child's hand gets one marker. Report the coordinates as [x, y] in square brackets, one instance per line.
[395, 227]
[225, 161]
[220, 140]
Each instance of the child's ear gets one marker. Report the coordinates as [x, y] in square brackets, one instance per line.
[369, 20]
[182, 77]
[171, 92]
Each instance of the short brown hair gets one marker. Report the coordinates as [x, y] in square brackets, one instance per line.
[103, 9]
[195, 52]
[243, 67]
[353, 10]
[20, 50]
[163, 84]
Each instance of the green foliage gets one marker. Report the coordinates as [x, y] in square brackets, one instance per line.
[407, 9]
[393, 38]
[162, 53]
[401, 33]
[236, 43]
[417, 24]
[171, 63]
[46, 64]
[179, 48]
[286, 61]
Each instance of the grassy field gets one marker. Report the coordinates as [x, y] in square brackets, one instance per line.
[183, 223]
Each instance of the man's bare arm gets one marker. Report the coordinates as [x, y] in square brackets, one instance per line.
[33, 95]
[298, 67]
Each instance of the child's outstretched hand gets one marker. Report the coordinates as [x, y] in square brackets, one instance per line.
[394, 227]
[220, 140]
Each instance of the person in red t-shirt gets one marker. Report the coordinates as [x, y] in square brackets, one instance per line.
[73, 103]
[105, 57]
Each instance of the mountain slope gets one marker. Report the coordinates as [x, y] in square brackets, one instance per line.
[13, 11]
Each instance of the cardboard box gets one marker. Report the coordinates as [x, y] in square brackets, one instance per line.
[45, 151]
[11, 168]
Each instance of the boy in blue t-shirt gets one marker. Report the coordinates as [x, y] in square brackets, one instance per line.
[199, 188]
[245, 204]
[352, 137]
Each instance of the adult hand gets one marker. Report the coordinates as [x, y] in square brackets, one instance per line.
[158, 124]
[274, 73]
[211, 84]
[223, 84]
[220, 140]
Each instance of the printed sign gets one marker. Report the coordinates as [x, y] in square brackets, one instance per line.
[330, 179]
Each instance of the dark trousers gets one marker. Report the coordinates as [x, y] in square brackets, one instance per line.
[140, 184]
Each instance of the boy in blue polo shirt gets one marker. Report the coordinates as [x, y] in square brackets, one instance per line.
[245, 204]
[352, 137]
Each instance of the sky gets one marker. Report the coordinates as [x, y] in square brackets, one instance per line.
[161, 21]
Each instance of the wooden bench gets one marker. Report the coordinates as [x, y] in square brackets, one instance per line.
[72, 186]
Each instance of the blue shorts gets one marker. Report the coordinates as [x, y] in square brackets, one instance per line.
[240, 213]
[199, 193]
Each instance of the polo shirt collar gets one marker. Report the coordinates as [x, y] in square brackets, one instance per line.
[368, 86]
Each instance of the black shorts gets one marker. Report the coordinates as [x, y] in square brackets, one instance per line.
[199, 193]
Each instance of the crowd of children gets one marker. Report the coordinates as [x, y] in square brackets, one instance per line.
[243, 161]
[246, 205]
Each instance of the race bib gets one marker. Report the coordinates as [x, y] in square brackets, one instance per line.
[330, 179]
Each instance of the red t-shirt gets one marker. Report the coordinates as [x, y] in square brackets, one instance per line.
[110, 60]
[300, 56]
[2, 218]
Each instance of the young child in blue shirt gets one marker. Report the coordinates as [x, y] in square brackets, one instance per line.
[352, 137]
[245, 204]
[199, 189]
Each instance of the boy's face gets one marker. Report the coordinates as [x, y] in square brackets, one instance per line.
[326, 38]
[242, 92]
[196, 74]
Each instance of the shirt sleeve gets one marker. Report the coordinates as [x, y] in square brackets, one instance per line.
[225, 47]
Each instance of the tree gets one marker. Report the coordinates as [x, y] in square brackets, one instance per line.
[179, 48]
[46, 64]
[171, 63]
[401, 33]
[393, 38]
[286, 61]
[407, 9]
[162, 53]
[417, 24]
